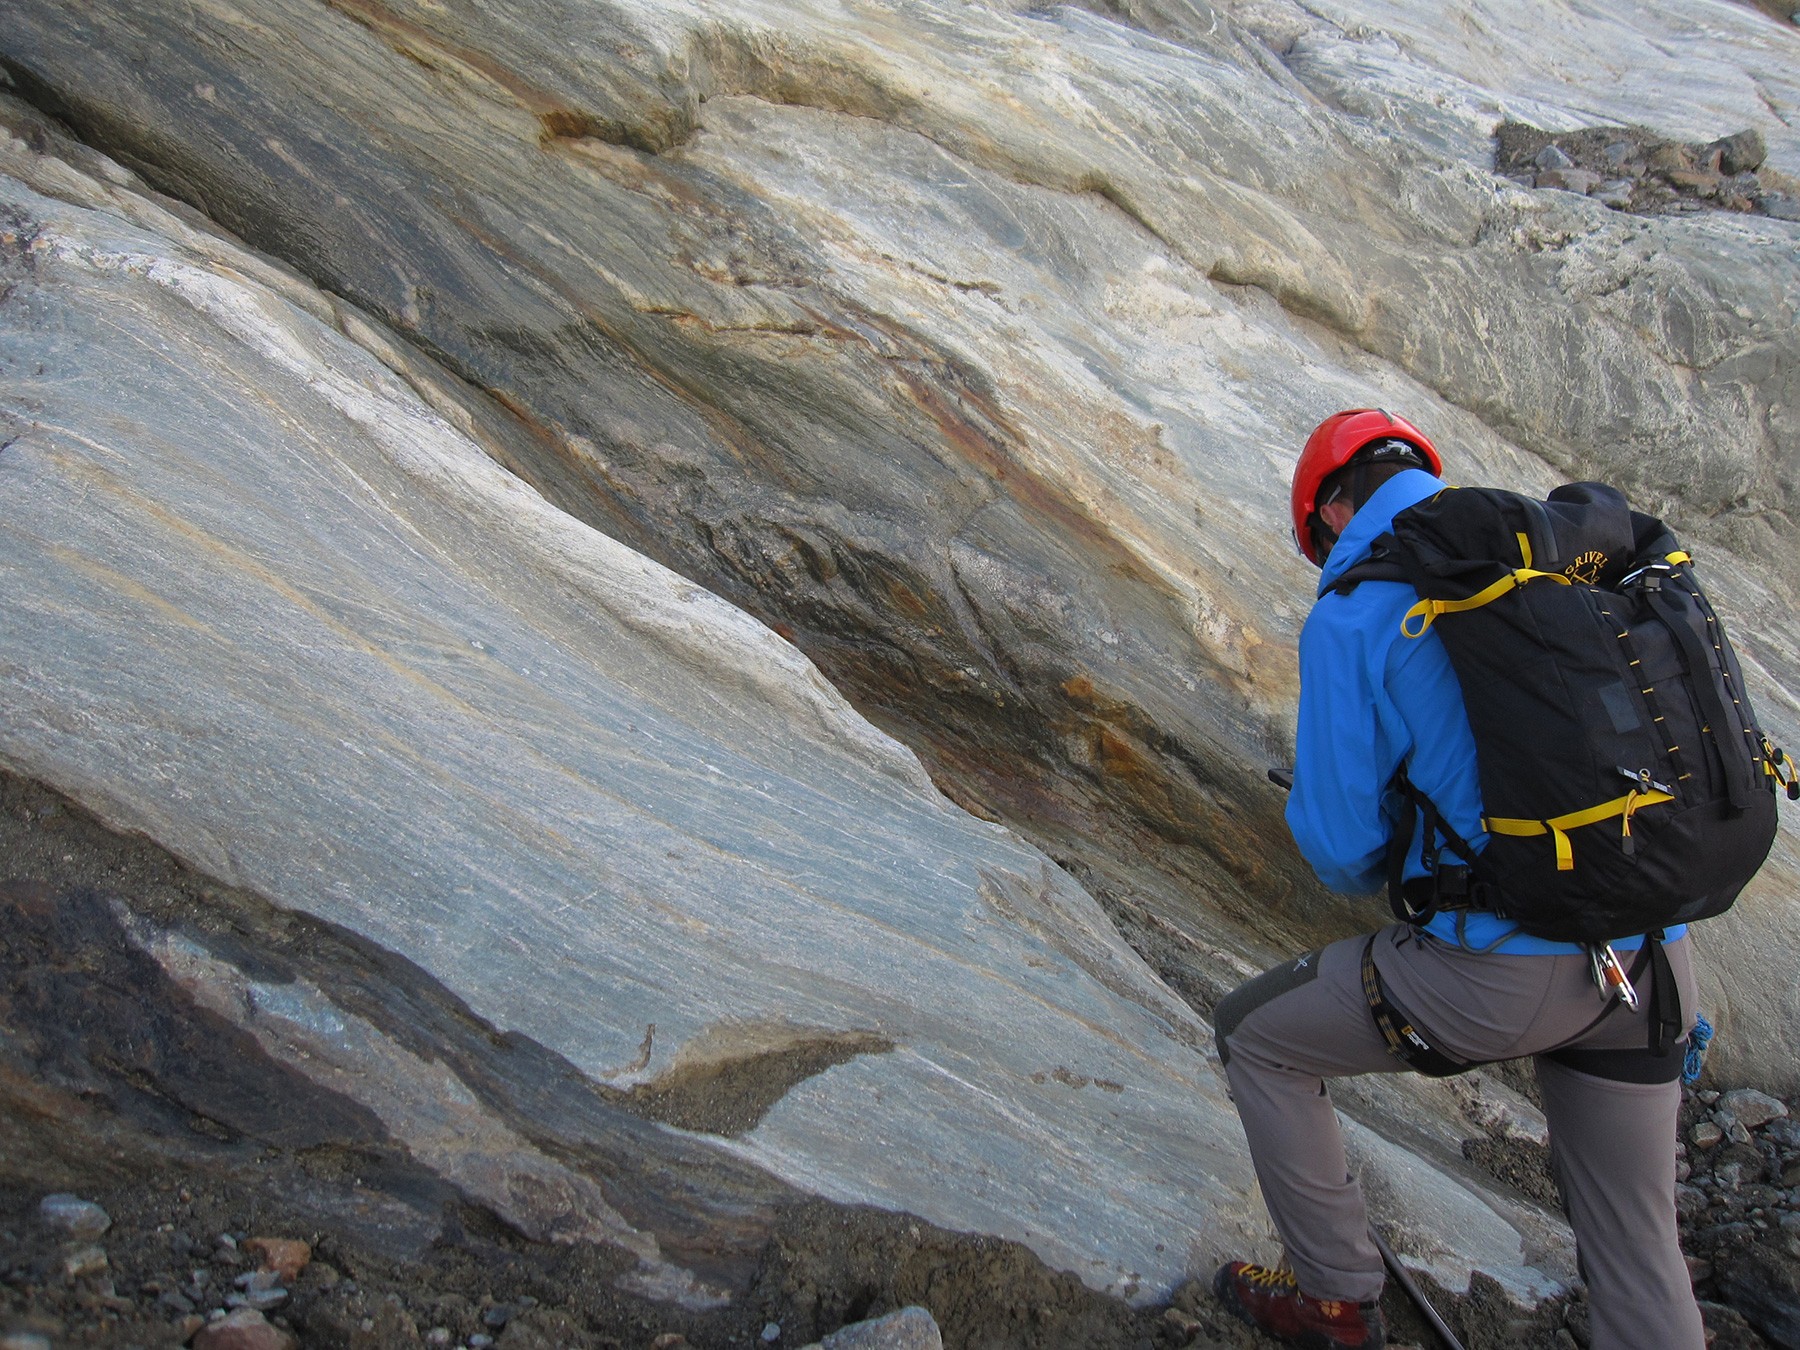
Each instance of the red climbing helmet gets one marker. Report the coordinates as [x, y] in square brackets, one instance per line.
[1333, 444]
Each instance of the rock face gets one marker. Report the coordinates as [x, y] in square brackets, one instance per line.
[965, 347]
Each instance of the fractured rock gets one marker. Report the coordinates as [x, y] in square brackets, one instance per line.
[1741, 153]
[1753, 1108]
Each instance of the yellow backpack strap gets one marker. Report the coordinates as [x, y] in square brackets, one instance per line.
[1558, 827]
[1427, 611]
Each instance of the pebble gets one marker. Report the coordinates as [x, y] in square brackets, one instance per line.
[1551, 157]
[73, 1215]
[260, 1299]
[480, 1341]
[286, 1257]
[771, 1333]
[84, 1261]
[438, 1336]
[245, 1329]
[497, 1316]
[1706, 1134]
[1569, 180]
[24, 1340]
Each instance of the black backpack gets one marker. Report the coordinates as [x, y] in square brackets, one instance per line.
[1626, 785]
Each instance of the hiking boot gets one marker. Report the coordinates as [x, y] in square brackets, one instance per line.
[1271, 1301]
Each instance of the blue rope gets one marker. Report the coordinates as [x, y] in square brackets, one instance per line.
[1698, 1039]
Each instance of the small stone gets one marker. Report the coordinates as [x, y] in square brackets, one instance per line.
[1667, 158]
[287, 1257]
[669, 1340]
[1699, 1269]
[173, 1301]
[1741, 153]
[1568, 180]
[771, 1332]
[480, 1341]
[1725, 1234]
[1754, 1108]
[260, 1299]
[1790, 1175]
[1784, 1133]
[1688, 1201]
[1683, 1171]
[25, 1340]
[1552, 157]
[1700, 182]
[84, 1261]
[497, 1316]
[255, 1280]
[245, 1329]
[1183, 1324]
[1707, 1096]
[73, 1215]
[1706, 1134]
[911, 1328]
[438, 1336]
[184, 1329]
[1617, 153]
[1736, 1133]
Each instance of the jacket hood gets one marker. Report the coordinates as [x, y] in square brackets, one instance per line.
[1404, 489]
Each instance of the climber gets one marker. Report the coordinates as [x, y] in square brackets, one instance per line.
[1466, 985]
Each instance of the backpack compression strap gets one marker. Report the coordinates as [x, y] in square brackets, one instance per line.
[1558, 827]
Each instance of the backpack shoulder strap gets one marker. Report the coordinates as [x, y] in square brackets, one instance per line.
[1382, 564]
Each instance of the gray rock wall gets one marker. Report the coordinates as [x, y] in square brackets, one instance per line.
[967, 348]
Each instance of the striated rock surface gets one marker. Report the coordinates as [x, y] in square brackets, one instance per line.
[968, 346]
[964, 346]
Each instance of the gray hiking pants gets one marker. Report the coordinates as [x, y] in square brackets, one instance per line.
[1612, 1143]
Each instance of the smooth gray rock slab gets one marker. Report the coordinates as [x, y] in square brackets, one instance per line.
[970, 344]
[267, 604]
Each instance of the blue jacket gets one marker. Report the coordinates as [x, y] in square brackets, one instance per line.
[1370, 701]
